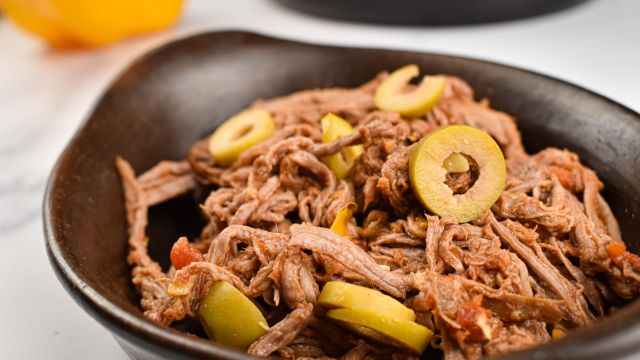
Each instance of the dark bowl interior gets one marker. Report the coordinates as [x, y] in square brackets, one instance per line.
[178, 93]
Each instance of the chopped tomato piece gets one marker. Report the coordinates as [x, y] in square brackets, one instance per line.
[620, 256]
[568, 178]
[183, 253]
[615, 250]
[631, 259]
[474, 319]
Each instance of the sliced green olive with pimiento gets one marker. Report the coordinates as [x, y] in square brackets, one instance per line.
[456, 163]
[428, 173]
[230, 318]
[393, 331]
[333, 128]
[392, 94]
[239, 133]
[340, 294]
[344, 215]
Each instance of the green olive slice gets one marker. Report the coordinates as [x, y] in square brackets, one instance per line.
[230, 318]
[344, 215]
[333, 128]
[428, 173]
[340, 294]
[393, 331]
[391, 94]
[456, 163]
[239, 133]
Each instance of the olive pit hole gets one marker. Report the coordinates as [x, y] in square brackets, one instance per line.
[242, 132]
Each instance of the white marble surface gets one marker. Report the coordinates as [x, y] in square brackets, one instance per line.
[45, 95]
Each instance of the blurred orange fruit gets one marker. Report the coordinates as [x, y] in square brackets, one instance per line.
[76, 23]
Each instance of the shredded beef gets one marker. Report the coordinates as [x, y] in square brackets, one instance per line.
[383, 133]
[283, 332]
[548, 254]
[147, 274]
[394, 181]
[339, 249]
[449, 296]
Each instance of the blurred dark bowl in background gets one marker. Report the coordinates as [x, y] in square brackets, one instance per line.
[429, 12]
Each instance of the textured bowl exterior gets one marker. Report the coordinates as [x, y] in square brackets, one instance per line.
[178, 93]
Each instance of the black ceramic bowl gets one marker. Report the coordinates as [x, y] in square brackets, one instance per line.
[178, 93]
[429, 12]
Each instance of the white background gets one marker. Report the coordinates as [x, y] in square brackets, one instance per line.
[45, 95]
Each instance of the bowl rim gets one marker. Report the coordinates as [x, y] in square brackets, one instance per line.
[154, 336]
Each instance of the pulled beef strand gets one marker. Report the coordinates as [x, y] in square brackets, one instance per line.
[348, 255]
[535, 261]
